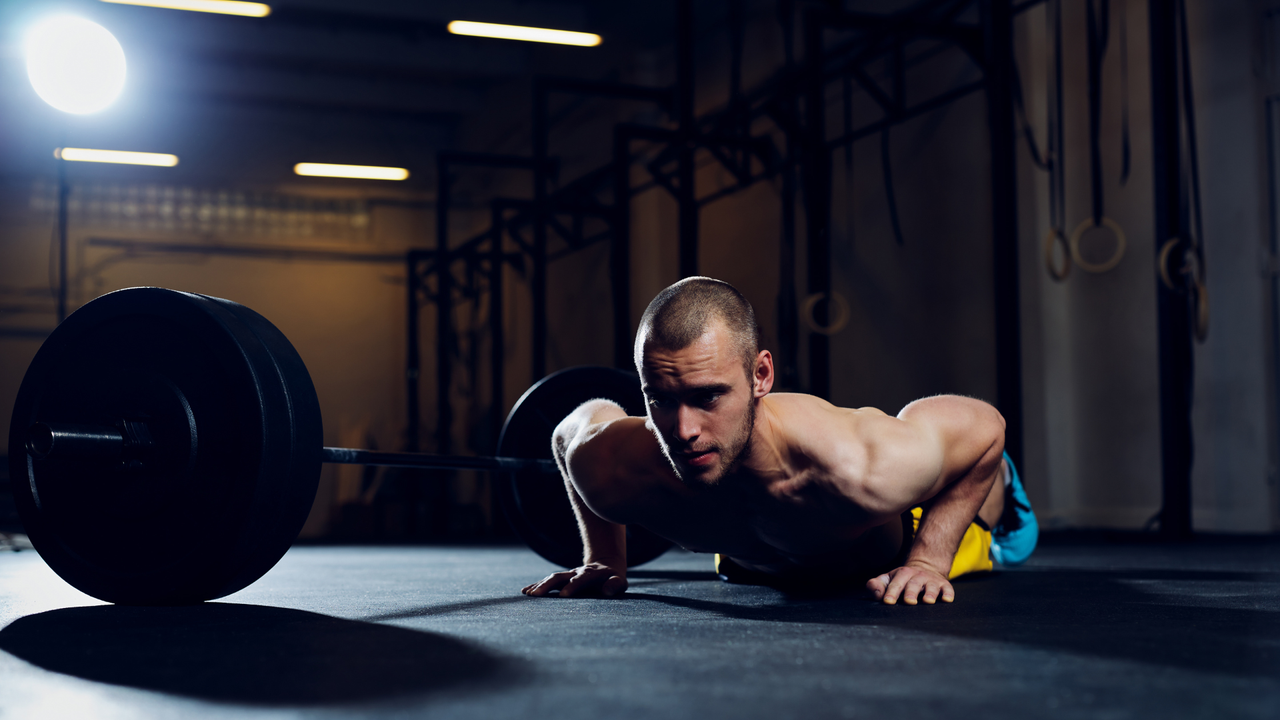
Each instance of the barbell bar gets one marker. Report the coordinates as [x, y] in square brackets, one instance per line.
[166, 447]
[129, 440]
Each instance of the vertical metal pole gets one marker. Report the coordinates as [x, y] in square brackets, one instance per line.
[997, 21]
[817, 196]
[444, 311]
[620, 249]
[538, 281]
[1274, 247]
[64, 191]
[737, 38]
[788, 321]
[413, 361]
[497, 349]
[1173, 316]
[686, 185]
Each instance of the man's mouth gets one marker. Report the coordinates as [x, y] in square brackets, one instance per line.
[703, 458]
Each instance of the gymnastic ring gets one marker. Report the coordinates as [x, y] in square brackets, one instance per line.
[841, 315]
[1111, 262]
[1054, 236]
[1163, 264]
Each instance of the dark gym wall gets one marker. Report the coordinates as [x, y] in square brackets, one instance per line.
[921, 313]
[1090, 381]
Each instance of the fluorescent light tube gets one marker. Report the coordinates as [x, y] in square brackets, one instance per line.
[360, 172]
[225, 7]
[519, 32]
[121, 157]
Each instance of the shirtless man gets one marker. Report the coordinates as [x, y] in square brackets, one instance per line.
[784, 486]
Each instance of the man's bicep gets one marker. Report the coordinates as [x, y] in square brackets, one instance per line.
[967, 429]
[904, 462]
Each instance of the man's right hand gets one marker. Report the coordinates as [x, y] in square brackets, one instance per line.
[591, 580]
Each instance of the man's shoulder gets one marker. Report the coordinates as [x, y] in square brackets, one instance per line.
[615, 448]
[624, 435]
[835, 441]
[808, 417]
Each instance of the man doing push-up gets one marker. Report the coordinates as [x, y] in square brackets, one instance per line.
[785, 488]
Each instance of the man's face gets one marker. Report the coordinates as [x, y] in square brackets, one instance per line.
[701, 405]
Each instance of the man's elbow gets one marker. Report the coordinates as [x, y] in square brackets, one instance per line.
[996, 425]
[984, 424]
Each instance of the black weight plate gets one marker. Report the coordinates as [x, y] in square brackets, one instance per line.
[536, 503]
[294, 439]
[191, 524]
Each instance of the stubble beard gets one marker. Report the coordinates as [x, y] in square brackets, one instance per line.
[732, 456]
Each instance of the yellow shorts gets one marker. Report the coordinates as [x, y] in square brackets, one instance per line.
[974, 553]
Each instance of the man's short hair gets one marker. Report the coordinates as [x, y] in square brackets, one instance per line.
[680, 314]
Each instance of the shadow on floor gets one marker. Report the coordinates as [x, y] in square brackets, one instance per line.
[1210, 621]
[1224, 622]
[677, 575]
[250, 654]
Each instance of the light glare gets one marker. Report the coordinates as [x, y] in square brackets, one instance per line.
[121, 157]
[225, 7]
[519, 32]
[359, 172]
[75, 65]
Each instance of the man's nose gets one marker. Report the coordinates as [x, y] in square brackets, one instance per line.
[687, 426]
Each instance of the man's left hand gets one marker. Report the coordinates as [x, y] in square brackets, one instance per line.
[908, 582]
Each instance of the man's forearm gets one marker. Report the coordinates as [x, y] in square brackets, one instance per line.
[603, 542]
[951, 511]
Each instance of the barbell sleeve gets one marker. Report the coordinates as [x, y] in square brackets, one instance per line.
[56, 440]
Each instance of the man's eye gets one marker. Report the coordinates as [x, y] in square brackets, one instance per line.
[659, 403]
[708, 400]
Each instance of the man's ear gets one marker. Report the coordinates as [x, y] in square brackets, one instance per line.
[762, 381]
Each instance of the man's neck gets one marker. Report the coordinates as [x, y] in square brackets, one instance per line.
[769, 458]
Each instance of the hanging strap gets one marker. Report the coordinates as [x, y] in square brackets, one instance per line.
[1195, 256]
[1189, 118]
[1098, 21]
[1057, 154]
[1055, 239]
[1040, 159]
[886, 165]
[1124, 93]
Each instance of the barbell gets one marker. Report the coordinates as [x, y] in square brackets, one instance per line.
[165, 448]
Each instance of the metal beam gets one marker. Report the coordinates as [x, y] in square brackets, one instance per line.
[816, 178]
[686, 187]
[1173, 316]
[997, 20]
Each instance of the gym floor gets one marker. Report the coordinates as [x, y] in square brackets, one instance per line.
[1090, 627]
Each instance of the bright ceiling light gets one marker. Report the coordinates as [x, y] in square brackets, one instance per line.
[225, 7]
[75, 65]
[121, 157]
[359, 172]
[519, 32]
